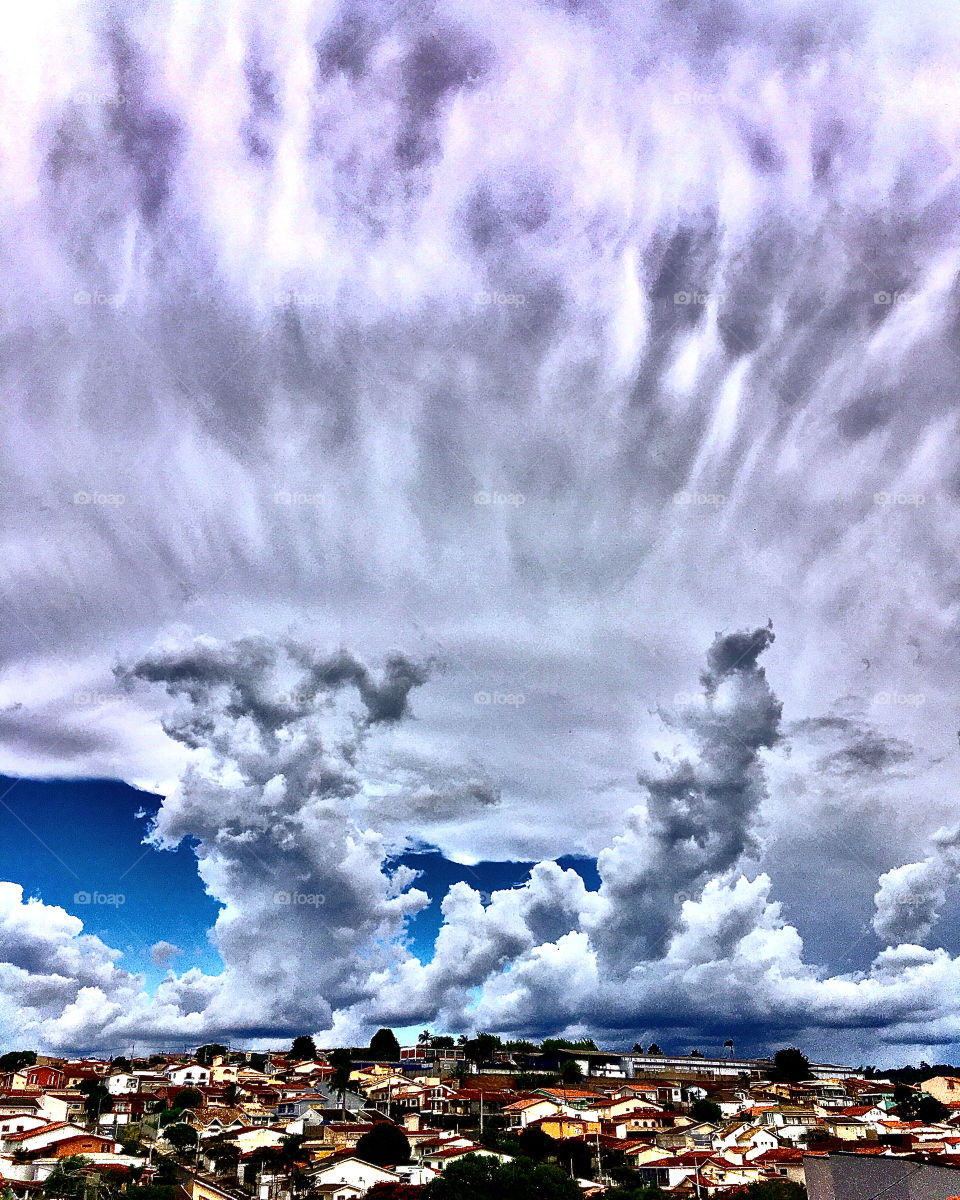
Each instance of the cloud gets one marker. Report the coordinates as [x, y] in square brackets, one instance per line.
[701, 814]
[909, 899]
[163, 953]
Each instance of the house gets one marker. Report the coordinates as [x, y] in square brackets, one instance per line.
[189, 1075]
[58, 1140]
[354, 1172]
[945, 1088]
[784, 1163]
[20, 1123]
[43, 1077]
[522, 1113]
[122, 1083]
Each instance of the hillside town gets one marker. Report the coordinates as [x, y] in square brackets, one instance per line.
[473, 1117]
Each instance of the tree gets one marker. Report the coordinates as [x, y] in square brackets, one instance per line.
[257, 1061]
[304, 1049]
[654, 1049]
[384, 1146]
[181, 1136]
[481, 1177]
[206, 1054]
[394, 1191]
[384, 1046]
[790, 1066]
[570, 1072]
[634, 1191]
[120, 1063]
[536, 1144]
[68, 1178]
[14, 1060]
[188, 1098]
[706, 1110]
[913, 1105]
[443, 1042]
[776, 1189]
[225, 1156]
[98, 1099]
[425, 1038]
[480, 1048]
[340, 1079]
[729, 1045]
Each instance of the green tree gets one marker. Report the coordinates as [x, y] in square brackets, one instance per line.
[68, 1178]
[706, 1110]
[384, 1046]
[918, 1105]
[536, 1144]
[13, 1060]
[481, 1048]
[182, 1137]
[188, 1098]
[120, 1063]
[480, 1177]
[790, 1066]
[225, 1157]
[384, 1146]
[634, 1191]
[443, 1042]
[570, 1071]
[257, 1061]
[304, 1048]
[98, 1099]
[654, 1049]
[339, 1081]
[776, 1189]
[551, 1044]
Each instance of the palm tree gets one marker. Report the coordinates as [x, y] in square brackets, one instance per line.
[425, 1038]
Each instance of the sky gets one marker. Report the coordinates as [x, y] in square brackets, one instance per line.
[480, 480]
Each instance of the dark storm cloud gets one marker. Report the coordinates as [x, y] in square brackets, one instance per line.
[860, 749]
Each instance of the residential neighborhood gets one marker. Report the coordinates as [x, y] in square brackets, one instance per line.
[474, 1117]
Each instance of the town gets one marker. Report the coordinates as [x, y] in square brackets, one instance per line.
[473, 1118]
